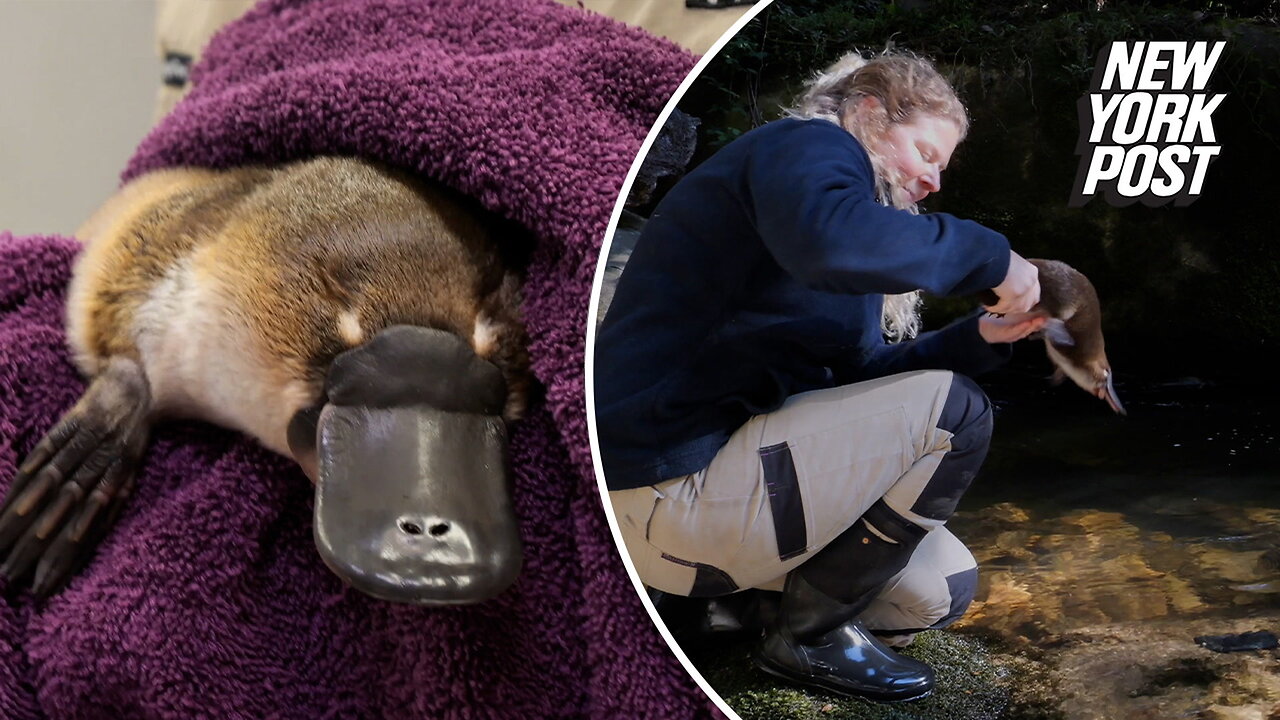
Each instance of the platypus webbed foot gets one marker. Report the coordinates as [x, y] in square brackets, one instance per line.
[69, 491]
[413, 502]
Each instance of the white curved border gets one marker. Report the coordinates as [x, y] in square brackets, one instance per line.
[589, 377]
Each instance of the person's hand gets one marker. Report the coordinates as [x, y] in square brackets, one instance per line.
[1020, 290]
[1009, 328]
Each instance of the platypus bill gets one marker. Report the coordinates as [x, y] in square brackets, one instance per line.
[352, 317]
[1073, 334]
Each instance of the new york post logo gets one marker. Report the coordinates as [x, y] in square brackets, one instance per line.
[1146, 126]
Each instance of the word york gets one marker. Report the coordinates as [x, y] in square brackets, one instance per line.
[1146, 126]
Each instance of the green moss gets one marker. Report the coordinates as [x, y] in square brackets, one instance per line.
[974, 683]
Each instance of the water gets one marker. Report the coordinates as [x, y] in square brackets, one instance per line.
[1082, 517]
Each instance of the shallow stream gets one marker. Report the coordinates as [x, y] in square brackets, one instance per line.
[1082, 517]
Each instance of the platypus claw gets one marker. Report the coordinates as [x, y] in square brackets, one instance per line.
[64, 498]
[69, 491]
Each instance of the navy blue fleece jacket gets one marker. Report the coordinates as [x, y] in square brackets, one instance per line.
[761, 275]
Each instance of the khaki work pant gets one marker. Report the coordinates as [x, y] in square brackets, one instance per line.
[741, 523]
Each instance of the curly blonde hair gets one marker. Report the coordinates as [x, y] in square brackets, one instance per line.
[906, 86]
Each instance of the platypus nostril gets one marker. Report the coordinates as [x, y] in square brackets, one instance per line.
[439, 529]
[411, 527]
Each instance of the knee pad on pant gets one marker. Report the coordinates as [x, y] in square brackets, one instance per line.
[962, 586]
[967, 416]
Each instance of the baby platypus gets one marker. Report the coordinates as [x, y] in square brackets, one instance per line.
[1073, 334]
[353, 317]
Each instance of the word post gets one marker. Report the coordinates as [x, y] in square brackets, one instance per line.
[1146, 126]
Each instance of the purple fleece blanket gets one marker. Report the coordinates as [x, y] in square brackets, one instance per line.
[209, 599]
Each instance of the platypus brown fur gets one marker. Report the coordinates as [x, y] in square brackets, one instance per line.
[226, 296]
[1073, 335]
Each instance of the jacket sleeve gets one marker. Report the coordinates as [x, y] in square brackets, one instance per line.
[813, 198]
[958, 347]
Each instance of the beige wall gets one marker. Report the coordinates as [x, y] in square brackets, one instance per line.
[78, 83]
[78, 86]
[694, 28]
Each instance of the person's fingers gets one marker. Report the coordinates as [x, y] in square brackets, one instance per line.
[1020, 329]
[1037, 324]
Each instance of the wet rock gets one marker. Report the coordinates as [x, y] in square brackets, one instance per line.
[1260, 640]
[1175, 505]
[1005, 513]
[1152, 669]
[1269, 561]
[1230, 564]
[1248, 712]
[1005, 548]
[1092, 567]
[1006, 607]
[624, 241]
[1193, 672]
[1262, 517]
[1098, 524]
[668, 157]
[1182, 596]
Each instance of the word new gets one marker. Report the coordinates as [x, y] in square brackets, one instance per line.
[1146, 126]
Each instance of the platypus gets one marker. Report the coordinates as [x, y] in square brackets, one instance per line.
[1073, 335]
[356, 318]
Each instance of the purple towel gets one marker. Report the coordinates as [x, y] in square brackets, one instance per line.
[209, 599]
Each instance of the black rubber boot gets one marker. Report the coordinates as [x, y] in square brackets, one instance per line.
[816, 641]
[816, 638]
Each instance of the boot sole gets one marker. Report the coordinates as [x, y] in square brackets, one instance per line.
[811, 681]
